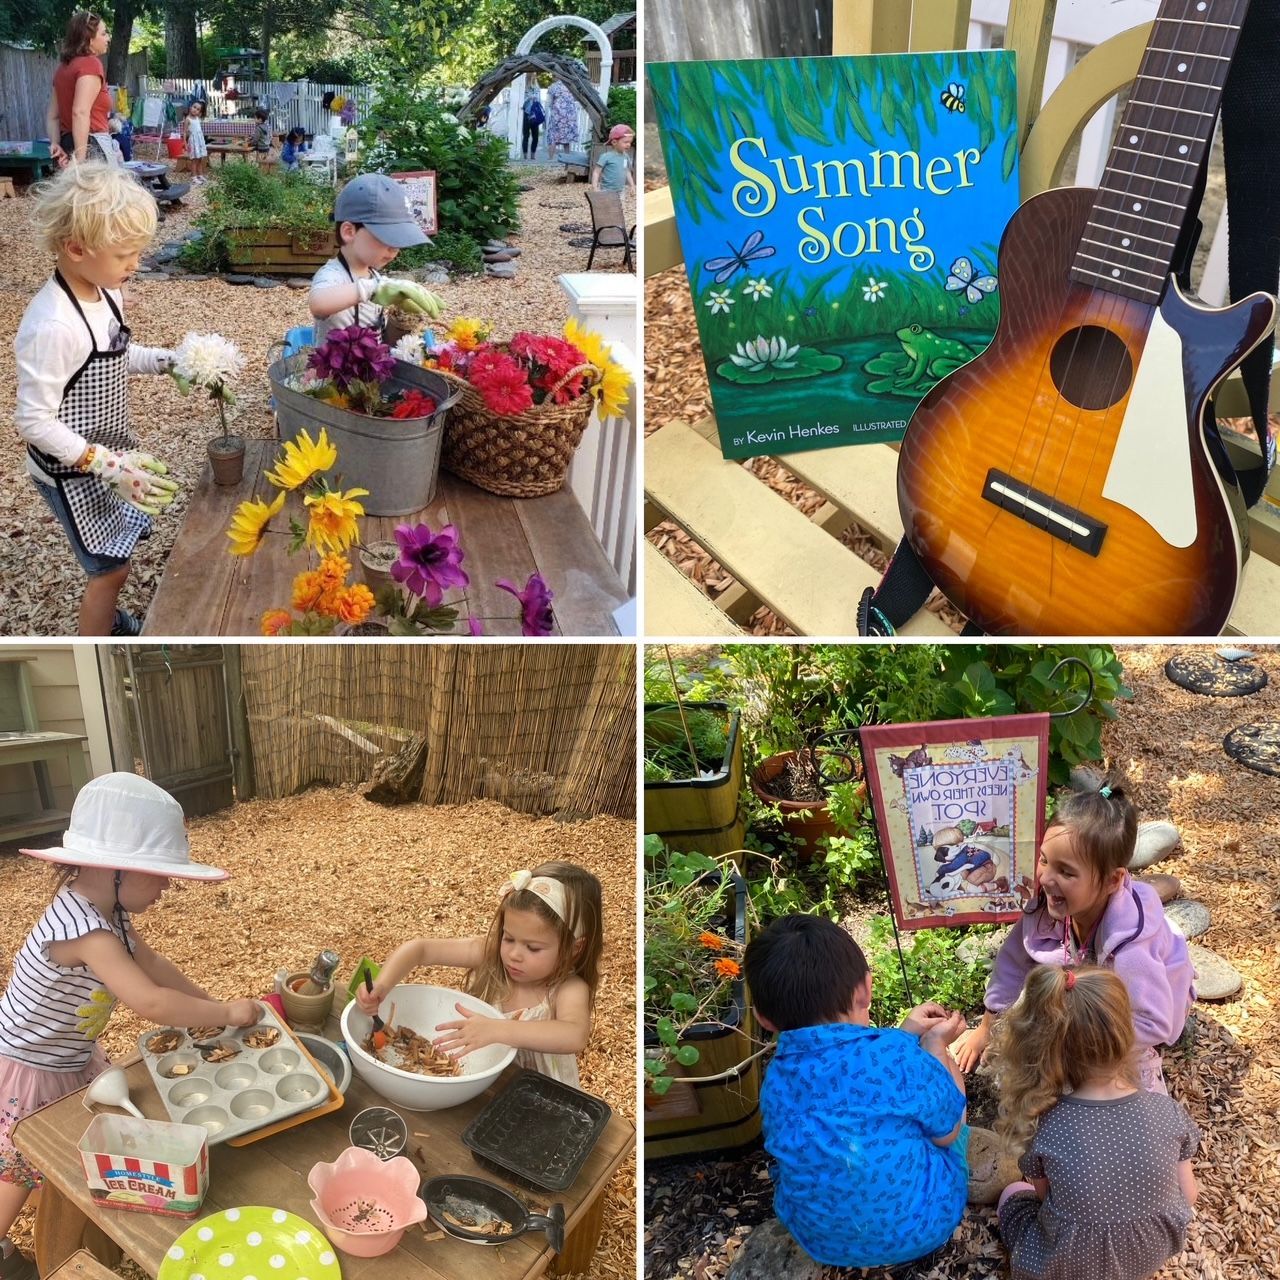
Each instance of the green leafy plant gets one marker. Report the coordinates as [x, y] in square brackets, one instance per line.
[936, 967]
[666, 747]
[621, 108]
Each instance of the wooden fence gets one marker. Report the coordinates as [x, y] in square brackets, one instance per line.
[26, 81]
[293, 103]
[676, 30]
[542, 729]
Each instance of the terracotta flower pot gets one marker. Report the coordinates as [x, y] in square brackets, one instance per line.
[805, 822]
[226, 456]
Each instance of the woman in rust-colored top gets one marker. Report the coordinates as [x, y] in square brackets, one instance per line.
[78, 108]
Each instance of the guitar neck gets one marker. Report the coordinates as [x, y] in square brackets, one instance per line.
[1165, 132]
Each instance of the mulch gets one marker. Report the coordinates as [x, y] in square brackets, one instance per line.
[327, 868]
[1226, 1068]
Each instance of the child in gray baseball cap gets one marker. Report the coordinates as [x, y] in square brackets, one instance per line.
[374, 223]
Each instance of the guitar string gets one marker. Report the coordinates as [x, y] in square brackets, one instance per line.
[1213, 98]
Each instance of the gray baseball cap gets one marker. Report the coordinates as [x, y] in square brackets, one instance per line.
[378, 202]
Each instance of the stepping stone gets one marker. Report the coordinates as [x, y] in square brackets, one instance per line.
[497, 256]
[1199, 671]
[1256, 746]
[1215, 978]
[298, 282]
[265, 282]
[1187, 917]
[1168, 887]
[168, 252]
[992, 1166]
[503, 270]
[235, 278]
[1156, 840]
[770, 1252]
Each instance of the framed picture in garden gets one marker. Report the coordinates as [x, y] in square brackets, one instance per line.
[959, 807]
[420, 191]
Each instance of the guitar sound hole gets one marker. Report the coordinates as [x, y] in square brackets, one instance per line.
[1091, 367]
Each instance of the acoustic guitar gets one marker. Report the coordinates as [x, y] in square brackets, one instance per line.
[1070, 480]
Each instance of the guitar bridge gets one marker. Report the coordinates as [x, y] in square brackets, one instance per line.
[1057, 518]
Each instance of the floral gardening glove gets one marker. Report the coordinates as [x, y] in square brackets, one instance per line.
[136, 478]
[408, 296]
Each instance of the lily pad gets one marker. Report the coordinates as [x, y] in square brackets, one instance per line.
[806, 363]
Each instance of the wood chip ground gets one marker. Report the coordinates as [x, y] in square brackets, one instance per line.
[330, 869]
[43, 582]
[1226, 1072]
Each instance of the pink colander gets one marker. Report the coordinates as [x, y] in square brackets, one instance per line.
[365, 1204]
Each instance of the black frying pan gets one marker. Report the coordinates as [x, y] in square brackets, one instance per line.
[477, 1200]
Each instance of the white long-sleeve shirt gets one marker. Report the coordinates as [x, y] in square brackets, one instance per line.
[51, 344]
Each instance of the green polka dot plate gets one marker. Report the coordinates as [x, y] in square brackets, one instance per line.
[251, 1244]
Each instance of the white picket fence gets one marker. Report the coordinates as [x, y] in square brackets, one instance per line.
[292, 103]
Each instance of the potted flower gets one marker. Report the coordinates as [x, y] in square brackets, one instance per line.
[701, 1053]
[210, 362]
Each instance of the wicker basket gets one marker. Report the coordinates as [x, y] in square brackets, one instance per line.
[526, 456]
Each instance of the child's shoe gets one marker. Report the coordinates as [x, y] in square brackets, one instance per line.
[125, 624]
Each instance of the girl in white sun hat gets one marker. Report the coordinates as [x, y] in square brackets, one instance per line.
[125, 842]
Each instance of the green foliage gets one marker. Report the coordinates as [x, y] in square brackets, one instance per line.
[937, 970]
[666, 749]
[621, 108]
[459, 252]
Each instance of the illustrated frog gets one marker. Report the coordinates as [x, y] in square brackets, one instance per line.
[923, 359]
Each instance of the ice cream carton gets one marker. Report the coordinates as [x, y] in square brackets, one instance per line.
[151, 1165]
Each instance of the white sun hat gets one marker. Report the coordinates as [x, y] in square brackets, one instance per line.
[126, 823]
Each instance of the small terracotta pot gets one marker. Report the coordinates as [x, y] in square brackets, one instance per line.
[226, 457]
[805, 831]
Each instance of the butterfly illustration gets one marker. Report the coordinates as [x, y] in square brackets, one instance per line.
[918, 759]
[739, 259]
[960, 279]
[952, 97]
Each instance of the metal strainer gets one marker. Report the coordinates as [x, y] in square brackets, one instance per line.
[380, 1130]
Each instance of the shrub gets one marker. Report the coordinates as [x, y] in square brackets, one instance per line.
[622, 108]
[935, 966]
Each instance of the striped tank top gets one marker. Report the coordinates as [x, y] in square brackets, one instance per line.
[51, 1015]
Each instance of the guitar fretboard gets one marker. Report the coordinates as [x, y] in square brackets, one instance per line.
[1167, 126]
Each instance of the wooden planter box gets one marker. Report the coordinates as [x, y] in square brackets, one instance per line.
[702, 815]
[278, 251]
[717, 1116]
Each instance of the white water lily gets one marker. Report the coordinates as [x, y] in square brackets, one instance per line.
[874, 289]
[757, 289]
[409, 348]
[719, 300]
[207, 360]
[761, 352]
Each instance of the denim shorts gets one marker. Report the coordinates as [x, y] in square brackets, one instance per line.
[94, 565]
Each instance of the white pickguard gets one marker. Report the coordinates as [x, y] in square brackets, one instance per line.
[1150, 470]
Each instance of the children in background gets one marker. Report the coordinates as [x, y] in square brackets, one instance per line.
[374, 224]
[124, 843]
[539, 963]
[1110, 1188]
[1089, 911]
[294, 144]
[866, 1127]
[261, 134]
[74, 358]
[193, 136]
[612, 170]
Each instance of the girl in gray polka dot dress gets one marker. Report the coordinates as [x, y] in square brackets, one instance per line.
[1110, 1187]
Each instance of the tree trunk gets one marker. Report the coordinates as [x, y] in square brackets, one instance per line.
[182, 53]
[266, 42]
[121, 33]
[397, 779]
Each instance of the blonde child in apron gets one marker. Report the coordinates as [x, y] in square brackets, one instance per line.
[539, 963]
[74, 358]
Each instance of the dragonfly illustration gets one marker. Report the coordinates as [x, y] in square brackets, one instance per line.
[739, 259]
[960, 279]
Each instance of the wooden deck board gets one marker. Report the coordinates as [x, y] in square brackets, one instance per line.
[683, 609]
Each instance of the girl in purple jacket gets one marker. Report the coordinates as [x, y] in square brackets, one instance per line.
[1089, 911]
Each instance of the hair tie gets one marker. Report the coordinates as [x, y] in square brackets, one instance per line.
[1069, 977]
[1105, 792]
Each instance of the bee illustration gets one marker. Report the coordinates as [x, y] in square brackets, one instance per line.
[952, 97]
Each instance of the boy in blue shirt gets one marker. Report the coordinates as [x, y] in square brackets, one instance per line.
[866, 1127]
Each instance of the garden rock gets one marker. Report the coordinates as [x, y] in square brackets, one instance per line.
[1168, 887]
[503, 270]
[1187, 917]
[298, 282]
[501, 255]
[992, 1166]
[771, 1253]
[167, 252]
[501, 246]
[1215, 978]
[265, 282]
[1156, 840]
[235, 277]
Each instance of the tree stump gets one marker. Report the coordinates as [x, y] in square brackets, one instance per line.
[397, 779]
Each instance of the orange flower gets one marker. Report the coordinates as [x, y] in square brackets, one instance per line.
[728, 968]
[712, 941]
[309, 589]
[353, 604]
[333, 570]
[274, 621]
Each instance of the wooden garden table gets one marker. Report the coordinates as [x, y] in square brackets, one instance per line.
[273, 1172]
[207, 592]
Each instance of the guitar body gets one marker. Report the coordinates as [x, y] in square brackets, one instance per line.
[1064, 482]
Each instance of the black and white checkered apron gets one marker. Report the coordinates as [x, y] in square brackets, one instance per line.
[95, 404]
[380, 324]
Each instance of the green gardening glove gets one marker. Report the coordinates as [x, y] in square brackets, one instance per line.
[408, 296]
[134, 477]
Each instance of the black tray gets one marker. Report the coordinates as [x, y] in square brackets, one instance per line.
[537, 1131]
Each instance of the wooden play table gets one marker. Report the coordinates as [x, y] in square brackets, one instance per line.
[273, 1173]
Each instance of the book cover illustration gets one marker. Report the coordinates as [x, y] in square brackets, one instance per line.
[840, 219]
[959, 807]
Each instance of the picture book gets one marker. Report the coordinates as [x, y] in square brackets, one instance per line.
[959, 808]
[840, 219]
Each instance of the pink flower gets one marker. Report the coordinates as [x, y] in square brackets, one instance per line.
[474, 626]
[353, 354]
[536, 618]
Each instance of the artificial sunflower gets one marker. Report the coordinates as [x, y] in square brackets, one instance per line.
[249, 524]
[302, 460]
[612, 389]
[332, 519]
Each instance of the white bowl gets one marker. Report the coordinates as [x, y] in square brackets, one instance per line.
[421, 1008]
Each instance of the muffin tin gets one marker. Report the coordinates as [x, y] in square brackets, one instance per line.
[253, 1088]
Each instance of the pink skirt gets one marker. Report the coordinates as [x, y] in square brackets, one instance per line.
[24, 1089]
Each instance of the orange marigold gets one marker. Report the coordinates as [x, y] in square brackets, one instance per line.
[712, 941]
[355, 603]
[728, 968]
[274, 621]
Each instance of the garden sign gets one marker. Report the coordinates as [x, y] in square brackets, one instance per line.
[959, 806]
